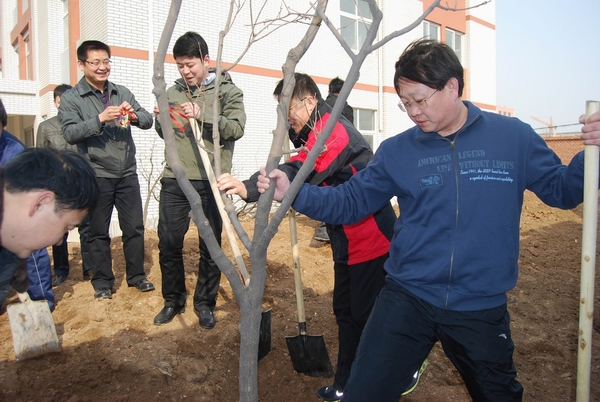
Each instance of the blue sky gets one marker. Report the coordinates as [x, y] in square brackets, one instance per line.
[548, 58]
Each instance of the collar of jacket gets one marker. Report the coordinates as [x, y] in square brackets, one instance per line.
[84, 87]
[473, 115]
[208, 81]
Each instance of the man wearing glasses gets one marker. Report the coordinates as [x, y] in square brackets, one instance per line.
[459, 176]
[97, 115]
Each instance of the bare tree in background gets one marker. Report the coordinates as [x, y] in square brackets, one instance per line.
[249, 293]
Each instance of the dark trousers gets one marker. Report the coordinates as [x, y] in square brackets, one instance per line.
[60, 257]
[83, 229]
[60, 254]
[124, 194]
[400, 333]
[173, 224]
[354, 292]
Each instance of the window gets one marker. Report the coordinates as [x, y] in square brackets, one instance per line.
[355, 21]
[28, 56]
[364, 120]
[65, 24]
[454, 40]
[431, 31]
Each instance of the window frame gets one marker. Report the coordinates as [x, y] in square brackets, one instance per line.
[358, 25]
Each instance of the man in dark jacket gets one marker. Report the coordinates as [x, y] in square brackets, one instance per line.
[97, 116]
[49, 134]
[335, 86]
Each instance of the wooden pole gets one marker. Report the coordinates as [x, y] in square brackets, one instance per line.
[588, 264]
[220, 204]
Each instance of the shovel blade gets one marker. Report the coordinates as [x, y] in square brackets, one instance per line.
[264, 339]
[309, 355]
[32, 328]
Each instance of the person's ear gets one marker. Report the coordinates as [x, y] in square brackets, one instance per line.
[206, 60]
[43, 199]
[452, 84]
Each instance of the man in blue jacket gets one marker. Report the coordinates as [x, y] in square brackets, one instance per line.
[39, 273]
[459, 176]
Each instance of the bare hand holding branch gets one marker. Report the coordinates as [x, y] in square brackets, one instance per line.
[282, 183]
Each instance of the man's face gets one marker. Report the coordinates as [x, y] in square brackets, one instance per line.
[431, 110]
[300, 111]
[96, 68]
[57, 101]
[193, 69]
[48, 229]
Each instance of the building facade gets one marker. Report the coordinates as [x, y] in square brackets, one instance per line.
[39, 38]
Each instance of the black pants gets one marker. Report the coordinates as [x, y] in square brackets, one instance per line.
[354, 292]
[123, 194]
[173, 224]
[60, 257]
[60, 254]
[403, 328]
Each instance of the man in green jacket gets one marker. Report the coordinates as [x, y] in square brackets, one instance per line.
[97, 116]
[192, 98]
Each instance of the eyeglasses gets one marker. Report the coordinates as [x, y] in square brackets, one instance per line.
[421, 104]
[96, 63]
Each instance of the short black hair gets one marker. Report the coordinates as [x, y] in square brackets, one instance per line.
[305, 86]
[3, 116]
[190, 44]
[86, 46]
[430, 63]
[61, 89]
[66, 173]
[335, 85]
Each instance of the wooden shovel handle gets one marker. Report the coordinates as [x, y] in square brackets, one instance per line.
[296, 261]
[221, 206]
[588, 264]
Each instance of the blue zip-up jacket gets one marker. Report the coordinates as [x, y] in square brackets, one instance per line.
[456, 242]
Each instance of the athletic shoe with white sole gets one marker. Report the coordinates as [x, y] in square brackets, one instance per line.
[415, 380]
[329, 393]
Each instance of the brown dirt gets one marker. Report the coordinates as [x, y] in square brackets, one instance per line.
[111, 351]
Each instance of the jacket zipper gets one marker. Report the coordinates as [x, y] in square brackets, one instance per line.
[455, 163]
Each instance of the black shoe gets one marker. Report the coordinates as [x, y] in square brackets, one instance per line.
[59, 280]
[144, 285]
[329, 393]
[87, 275]
[103, 293]
[207, 319]
[167, 314]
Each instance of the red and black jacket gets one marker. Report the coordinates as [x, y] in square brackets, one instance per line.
[346, 152]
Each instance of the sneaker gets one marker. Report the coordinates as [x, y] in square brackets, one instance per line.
[415, 380]
[329, 393]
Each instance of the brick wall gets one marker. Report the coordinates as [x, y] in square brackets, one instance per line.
[565, 146]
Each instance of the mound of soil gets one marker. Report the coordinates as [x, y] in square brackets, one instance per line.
[111, 351]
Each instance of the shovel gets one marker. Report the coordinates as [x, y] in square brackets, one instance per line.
[308, 352]
[32, 328]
